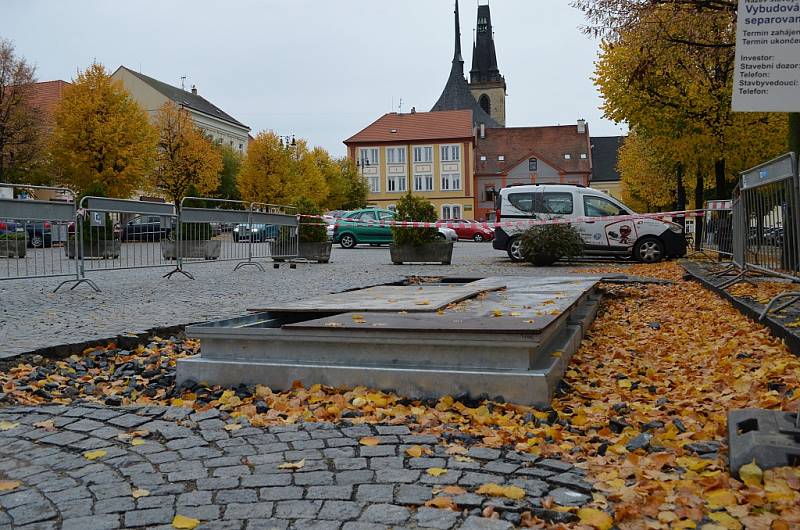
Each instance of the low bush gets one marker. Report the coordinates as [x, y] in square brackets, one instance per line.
[12, 236]
[544, 245]
[412, 208]
[312, 230]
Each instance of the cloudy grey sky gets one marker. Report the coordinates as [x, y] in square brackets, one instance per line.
[320, 69]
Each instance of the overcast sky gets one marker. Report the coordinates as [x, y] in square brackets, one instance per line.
[319, 69]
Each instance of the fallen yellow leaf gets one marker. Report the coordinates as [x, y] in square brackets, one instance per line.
[8, 425]
[369, 441]
[233, 427]
[436, 471]
[293, 465]
[725, 520]
[137, 441]
[47, 425]
[719, 498]
[140, 492]
[415, 451]
[442, 503]
[496, 490]
[184, 523]
[8, 485]
[596, 518]
[94, 455]
[751, 474]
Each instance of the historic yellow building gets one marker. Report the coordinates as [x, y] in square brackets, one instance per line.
[430, 154]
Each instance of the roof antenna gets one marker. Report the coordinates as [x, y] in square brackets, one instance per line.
[400, 107]
[183, 80]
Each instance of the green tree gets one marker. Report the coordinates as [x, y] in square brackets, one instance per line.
[231, 165]
[102, 140]
[348, 187]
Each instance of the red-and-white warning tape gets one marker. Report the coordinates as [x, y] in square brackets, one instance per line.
[662, 216]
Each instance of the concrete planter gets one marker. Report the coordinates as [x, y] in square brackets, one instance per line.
[433, 252]
[316, 251]
[206, 249]
[13, 248]
[103, 248]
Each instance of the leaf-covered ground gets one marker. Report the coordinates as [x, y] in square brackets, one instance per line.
[643, 406]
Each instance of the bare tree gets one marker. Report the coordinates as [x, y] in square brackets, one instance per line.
[20, 144]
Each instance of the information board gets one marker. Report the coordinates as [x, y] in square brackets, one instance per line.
[767, 74]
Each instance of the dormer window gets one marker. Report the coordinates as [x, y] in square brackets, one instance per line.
[567, 156]
[501, 158]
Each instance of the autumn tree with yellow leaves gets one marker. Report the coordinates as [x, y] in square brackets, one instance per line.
[185, 160]
[102, 141]
[276, 173]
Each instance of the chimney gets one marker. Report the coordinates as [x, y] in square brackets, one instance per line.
[581, 126]
[194, 89]
[413, 110]
[483, 130]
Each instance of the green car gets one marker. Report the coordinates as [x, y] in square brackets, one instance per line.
[349, 233]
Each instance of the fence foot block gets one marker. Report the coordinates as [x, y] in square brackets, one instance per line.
[246, 263]
[178, 271]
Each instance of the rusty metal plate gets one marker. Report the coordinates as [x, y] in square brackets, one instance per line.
[411, 298]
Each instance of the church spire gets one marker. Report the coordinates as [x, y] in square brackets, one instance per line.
[457, 57]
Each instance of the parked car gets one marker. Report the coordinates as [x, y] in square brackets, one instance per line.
[647, 240]
[259, 233]
[9, 226]
[467, 229]
[349, 233]
[145, 228]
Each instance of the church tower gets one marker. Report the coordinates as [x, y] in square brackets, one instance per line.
[486, 84]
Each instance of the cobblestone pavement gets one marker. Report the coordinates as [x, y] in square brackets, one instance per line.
[32, 317]
[191, 465]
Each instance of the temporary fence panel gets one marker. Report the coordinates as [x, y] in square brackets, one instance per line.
[717, 236]
[31, 232]
[771, 231]
[737, 242]
[281, 226]
[222, 233]
[113, 234]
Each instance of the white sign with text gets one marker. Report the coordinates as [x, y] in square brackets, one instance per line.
[767, 75]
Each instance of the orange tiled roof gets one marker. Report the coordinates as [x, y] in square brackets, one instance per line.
[550, 144]
[394, 127]
[45, 96]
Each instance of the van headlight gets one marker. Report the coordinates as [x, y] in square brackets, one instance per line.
[675, 227]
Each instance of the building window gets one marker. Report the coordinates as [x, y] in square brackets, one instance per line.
[423, 154]
[483, 158]
[241, 146]
[368, 157]
[533, 164]
[395, 155]
[489, 195]
[423, 182]
[583, 156]
[451, 211]
[451, 181]
[451, 153]
[501, 158]
[396, 183]
[567, 156]
[486, 104]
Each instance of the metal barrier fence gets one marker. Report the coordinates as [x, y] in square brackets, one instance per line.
[32, 230]
[40, 239]
[717, 234]
[233, 231]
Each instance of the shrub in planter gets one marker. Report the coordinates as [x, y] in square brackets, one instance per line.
[195, 242]
[13, 245]
[418, 245]
[544, 245]
[97, 241]
[314, 244]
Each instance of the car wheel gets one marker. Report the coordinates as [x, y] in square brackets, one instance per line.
[440, 237]
[649, 250]
[348, 241]
[36, 241]
[478, 238]
[515, 249]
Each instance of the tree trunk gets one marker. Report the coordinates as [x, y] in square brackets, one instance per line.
[719, 179]
[680, 192]
[698, 204]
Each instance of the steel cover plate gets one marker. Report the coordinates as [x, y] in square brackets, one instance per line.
[423, 298]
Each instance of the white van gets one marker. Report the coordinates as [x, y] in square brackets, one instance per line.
[647, 240]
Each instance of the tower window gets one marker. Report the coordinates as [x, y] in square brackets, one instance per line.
[485, 104]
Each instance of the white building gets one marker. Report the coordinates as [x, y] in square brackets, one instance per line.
[151, 94]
